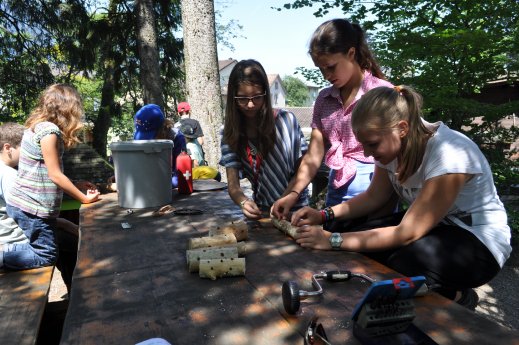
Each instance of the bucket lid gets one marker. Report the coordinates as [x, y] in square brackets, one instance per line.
[142, 145]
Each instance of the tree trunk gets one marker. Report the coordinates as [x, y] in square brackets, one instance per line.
[148, 53]
[107, 107]
[202, 75]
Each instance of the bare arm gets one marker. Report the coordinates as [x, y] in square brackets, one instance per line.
[432, 204]
[248, 206]
[49, 149]
[378, 194]
[310, 163]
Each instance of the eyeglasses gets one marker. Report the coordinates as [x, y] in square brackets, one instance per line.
[244, 101]
[315, 334]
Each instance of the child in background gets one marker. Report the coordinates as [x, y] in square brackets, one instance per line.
[455, 230]
[265, 145]
[194, 150]
[339, 49]
[151, 124]
[35, 198]
[10, 139]
[184, 110]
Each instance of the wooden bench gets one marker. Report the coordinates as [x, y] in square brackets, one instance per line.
[23, 297]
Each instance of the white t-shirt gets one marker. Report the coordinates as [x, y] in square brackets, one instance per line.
[10, 232]
[477, 208]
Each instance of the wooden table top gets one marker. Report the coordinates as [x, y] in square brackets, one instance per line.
[23, 296]
[133, 284]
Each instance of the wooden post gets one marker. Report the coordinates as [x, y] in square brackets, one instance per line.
[217, 268]
[194, 256]
[285, 227]
[240, 229]
[211, 241]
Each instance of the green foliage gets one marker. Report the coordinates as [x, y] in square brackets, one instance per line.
[312, 75]
[448, 51]
[226, 31]
[297, 92]
[512, 209]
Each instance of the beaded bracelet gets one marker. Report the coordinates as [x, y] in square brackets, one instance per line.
[327, 214]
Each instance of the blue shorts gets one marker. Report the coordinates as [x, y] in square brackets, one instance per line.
[41, 250]
[358, 184]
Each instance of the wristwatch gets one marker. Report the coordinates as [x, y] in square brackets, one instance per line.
[336, 240]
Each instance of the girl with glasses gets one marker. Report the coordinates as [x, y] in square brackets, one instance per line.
[263, 145]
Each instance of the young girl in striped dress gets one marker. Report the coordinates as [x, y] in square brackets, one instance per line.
[37, 192]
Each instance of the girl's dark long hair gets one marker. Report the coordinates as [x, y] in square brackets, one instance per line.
[338, 36]
[252, 73]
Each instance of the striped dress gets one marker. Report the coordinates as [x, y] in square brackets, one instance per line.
[33, 191]
[280, 165]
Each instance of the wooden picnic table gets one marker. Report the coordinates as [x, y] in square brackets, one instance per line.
[23, 297]
[133, 284]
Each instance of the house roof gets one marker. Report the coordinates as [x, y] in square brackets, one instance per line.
[272, 79]
[303, 115]
[224, 63]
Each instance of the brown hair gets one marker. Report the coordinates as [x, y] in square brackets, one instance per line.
[60, 104]
[11, 133]
[164, 132]
[338, 36]
[248, 72]
[382, 108]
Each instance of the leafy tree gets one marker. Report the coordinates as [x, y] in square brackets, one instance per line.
[148, 53]
[448, 50]
[31, 35]
[297, 92]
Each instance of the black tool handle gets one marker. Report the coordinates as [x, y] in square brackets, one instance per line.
[338, 276]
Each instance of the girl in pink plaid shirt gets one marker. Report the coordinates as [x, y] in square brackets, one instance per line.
[339, 49]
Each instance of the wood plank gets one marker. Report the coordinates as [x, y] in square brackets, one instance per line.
[23, 296]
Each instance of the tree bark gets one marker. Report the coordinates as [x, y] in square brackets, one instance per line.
[148, 53]
[202, 75]
[107, 107]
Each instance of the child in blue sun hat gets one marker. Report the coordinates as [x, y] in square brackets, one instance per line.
[150, 123]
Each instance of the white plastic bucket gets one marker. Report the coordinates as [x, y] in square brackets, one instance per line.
[143, 172]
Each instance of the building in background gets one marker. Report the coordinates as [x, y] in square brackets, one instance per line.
[278, 93]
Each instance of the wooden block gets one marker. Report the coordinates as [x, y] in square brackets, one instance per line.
[194, 256]
[240, 229]
[285, 227]
[217, 268]
[211, 241]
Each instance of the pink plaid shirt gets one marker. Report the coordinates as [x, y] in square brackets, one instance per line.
[334, 122]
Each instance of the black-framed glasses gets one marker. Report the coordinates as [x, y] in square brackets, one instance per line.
[243, 101]
[315, 334]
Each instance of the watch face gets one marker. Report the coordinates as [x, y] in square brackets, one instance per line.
[336, 240]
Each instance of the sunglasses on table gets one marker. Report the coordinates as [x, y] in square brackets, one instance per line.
[315, 334]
